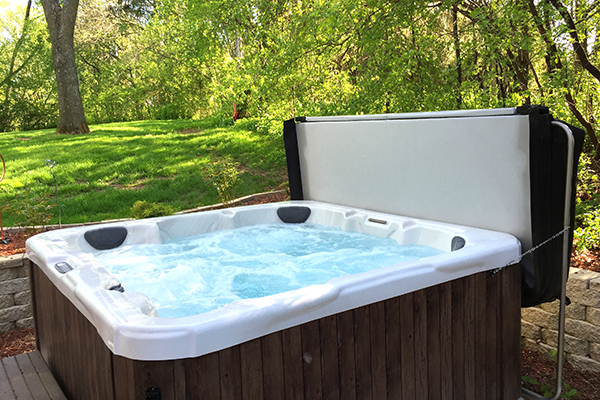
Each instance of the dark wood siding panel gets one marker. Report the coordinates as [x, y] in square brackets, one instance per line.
[494, 379]
[420, 326]
[33, 286]
[378, 350]
[311, 355]
[230, 373]
[469, 330]
[362, 354]
[202, 380]
[393, 349]
[292, 363]
[434, 361]
[407, 340]
[154, 374]
[273, 366]
[481, 338]
[446, 345]
[345, 324]
[329, 358]
[512, 332]
[458, 339]
[252, 371]
[123, 376]
[179, 379]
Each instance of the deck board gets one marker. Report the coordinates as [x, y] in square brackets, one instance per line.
[27, 377]
[30, 376]
[6, 391]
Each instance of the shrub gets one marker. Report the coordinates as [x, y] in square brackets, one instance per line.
[587, 235]
[587, 213]
[144, 209]
[223, 175]
[264, 126]
[32, 210]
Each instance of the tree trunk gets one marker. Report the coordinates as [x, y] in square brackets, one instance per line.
[61, 26]
[456, 38]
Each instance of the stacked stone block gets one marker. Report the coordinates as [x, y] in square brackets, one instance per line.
[15, 293]
[539, 324]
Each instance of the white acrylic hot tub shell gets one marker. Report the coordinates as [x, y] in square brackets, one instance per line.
[124, 322]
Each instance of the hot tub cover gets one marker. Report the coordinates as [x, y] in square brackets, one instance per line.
[499, 169]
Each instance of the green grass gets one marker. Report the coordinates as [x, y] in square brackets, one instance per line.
[100, 175]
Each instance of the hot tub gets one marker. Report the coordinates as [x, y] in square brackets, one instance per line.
[446, 324]
[126, 321]
[67, 272]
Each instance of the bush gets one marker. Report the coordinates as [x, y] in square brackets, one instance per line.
[170, 111]
[587, 213]
[263, 126]
[587, 236]
[219, 120]
[144, 209]
[32, 210]
[223, 175]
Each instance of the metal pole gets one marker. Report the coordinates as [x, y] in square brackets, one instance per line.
[565, 271]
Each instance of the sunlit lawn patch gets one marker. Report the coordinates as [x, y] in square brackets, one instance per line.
[102, 174]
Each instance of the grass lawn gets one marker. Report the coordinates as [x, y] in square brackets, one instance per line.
[100, 175]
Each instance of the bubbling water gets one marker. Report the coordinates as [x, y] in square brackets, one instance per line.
[193, 275]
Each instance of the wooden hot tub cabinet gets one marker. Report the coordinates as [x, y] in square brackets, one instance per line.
[458, 340]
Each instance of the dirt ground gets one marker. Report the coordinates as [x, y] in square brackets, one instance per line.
[15, 243]
[536, 366]
[17, 341]
[542, 368]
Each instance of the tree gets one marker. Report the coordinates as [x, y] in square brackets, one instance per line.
[27, 93]
[61, 26]
[556, 66]
[580, 49]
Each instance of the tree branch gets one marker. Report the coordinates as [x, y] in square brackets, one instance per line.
[172, 57]
[90, 64]
[7, 79]
[577, 47]
[554, 55]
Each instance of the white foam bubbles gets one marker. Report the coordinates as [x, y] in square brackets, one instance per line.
[197, 274]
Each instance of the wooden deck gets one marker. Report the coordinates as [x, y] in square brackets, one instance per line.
[26, 377]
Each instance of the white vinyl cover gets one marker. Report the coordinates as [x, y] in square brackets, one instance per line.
[462, 167]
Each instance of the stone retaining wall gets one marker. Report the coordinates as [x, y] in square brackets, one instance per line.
[15, 293]
[582, 325]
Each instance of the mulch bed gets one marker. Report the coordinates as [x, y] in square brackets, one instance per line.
[17, 341]
[589, 260]
[534, 365]
[15, 242]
